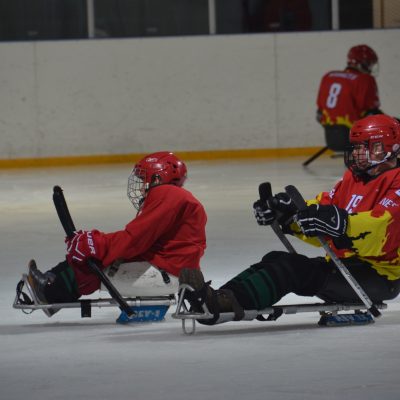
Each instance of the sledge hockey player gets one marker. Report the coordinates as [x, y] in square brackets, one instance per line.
[359, 218]
[346, 96]
[167, 234]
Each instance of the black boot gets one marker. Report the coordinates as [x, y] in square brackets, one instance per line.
[38, 281]
[201, 291]
[217, 301]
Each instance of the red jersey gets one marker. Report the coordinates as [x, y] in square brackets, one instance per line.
[345, 96]
[168, 232]
[373, 222]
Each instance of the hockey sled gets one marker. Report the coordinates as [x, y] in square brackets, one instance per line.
[145, 308]
[329, 313]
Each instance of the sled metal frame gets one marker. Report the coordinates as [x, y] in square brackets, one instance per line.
[86, 304]
[272, 313]
[183, 311]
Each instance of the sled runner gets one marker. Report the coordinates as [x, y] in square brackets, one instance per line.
[329, 313]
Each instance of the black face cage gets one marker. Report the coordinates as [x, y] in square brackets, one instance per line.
[360, 162]
[351, 162]
[137, 187]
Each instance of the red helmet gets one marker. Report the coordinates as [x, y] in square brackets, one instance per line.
[376, 135]
[363, 58]
[155, 169]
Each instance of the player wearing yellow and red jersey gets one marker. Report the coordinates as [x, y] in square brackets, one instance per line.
[373, 207]
[345, 96]
[359, 218]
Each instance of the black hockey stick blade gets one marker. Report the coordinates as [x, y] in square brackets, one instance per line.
[265, 191]
[316, 155]
[295, 195]
[300, 203]
[63, 212]
[69, 228]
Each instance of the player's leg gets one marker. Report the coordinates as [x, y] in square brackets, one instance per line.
[277, 274]
[57, 285]
[377, 287]
[259, 286]
[54, 286]
[64, 288]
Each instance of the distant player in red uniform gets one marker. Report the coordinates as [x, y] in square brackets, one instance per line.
[167, 234]
[359, 217]
[346, 96]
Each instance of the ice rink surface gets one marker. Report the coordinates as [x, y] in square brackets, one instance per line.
[66, 357]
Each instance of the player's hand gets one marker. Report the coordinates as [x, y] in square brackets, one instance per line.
[81, 247]
[283, 203]
[263, 213]
[317, 220]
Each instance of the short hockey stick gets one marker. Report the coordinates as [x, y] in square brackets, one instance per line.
[69, 228]
[63, 212]
[301, 204]
[265, 192]
[316, 155]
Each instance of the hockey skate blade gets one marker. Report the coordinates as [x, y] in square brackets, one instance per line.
[143, 314]
[346, 319]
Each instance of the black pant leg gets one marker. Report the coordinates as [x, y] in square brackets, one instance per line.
[377, 287]
[63, 288]
[277, 274]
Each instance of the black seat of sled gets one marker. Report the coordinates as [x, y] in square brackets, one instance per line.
[336, 139]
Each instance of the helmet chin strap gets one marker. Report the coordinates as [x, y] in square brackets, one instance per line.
[389, 156]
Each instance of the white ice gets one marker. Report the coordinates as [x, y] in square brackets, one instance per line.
[66, 357]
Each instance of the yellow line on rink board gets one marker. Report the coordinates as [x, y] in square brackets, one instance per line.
[133, 157]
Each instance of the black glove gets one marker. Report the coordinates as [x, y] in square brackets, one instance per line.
[283, 203]
[322, 220]
[263, 213]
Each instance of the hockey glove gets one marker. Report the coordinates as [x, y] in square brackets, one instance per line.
[283, 203]
[263, 213]
[322, 220]
[81, 247]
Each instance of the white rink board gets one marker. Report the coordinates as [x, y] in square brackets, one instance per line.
[91, 97]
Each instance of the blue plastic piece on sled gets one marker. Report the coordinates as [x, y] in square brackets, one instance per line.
[143, 314]
[346, 319]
